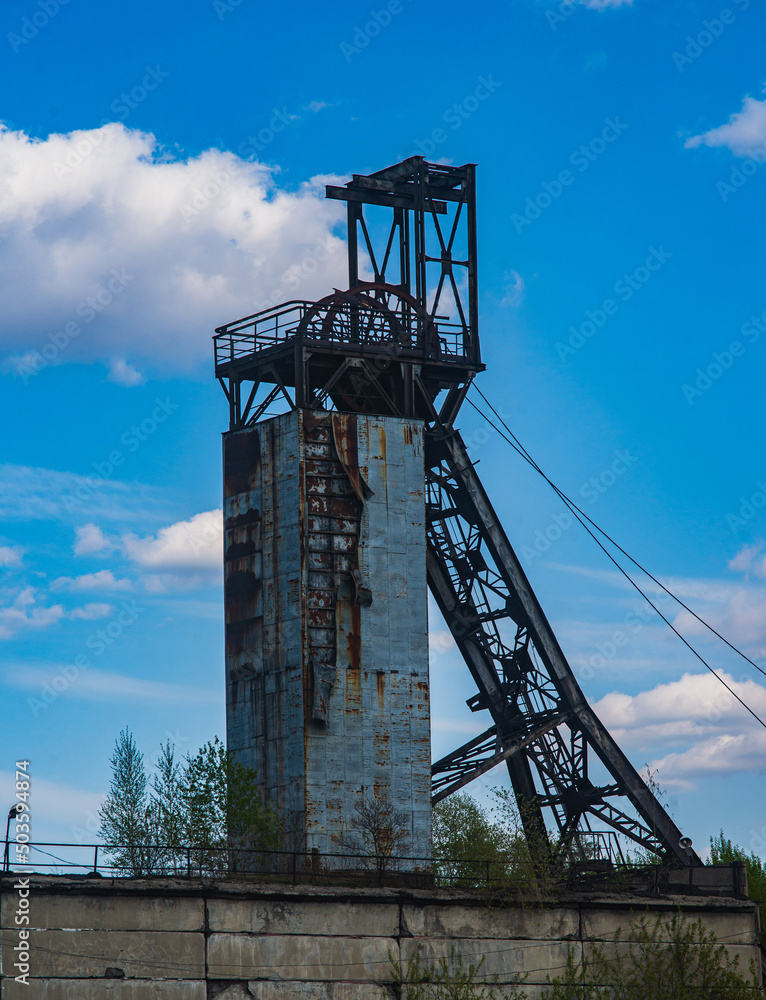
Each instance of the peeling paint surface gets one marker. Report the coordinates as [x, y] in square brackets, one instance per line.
[326, 617]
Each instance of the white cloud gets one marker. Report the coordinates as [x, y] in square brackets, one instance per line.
[744, 133]
[750, 559]
[694, 704]
[698, 714]
[741, 618]
[99, 685]
[186, 553]
[89, 539]
[23, 614]
[103, 580]
[10, 555]
[30, 494]
[605, 4]
[122, 373]
[316, 106]
[514, 289]
[734, 608]
[91, 612]
[725, 754]
[196, 242]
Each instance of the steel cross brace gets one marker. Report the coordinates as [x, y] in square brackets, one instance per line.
[523, 676]
[480, 755]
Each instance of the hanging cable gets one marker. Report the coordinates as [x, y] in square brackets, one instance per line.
[573, 506]
[517, 446]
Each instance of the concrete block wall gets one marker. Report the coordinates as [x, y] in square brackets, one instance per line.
[177, 939]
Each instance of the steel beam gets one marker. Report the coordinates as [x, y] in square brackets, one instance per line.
[457, 587]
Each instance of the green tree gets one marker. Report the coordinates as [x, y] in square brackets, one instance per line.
[128, 820]
[225, 810]
[722, 850]
[480, 847]
[469, 849]
[666, 960]
[204, 812]
[168, 808]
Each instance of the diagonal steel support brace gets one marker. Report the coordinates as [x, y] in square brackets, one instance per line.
[476, 624]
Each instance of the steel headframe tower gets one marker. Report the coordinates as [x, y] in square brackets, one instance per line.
[402, 343]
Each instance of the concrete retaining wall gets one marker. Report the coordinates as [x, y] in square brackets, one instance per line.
[176, 939]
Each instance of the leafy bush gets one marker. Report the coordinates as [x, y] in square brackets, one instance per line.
[668, 960]
[722, 850]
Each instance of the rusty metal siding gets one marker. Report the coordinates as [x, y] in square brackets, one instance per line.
[327, 648]
[264, 635]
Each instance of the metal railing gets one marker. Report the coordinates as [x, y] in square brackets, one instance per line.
[313, 867]
[342, 323]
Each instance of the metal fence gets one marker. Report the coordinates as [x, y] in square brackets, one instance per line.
[313, 867]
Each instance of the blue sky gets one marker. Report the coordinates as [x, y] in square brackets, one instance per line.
[162, 172]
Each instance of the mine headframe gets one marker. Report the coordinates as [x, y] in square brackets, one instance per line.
[403, 340]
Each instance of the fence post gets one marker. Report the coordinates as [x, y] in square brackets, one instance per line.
[295, 879]
[188, 862]
[95, 861]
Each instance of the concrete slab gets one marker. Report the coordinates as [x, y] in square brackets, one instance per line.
[283, 917]
[103, 989]
[314, 991]
[114, 912]
[300, 958]
[492, 922]
[731, 928]
[502, 959]
[78, 954]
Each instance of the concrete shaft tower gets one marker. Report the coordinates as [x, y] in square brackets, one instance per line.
[325, 513]
[326, 618]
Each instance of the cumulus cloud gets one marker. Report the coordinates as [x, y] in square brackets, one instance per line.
[91, 612]
[10, 555]
[145, 253]
[725, 754]
[750, 559]
[122, 373]
[698, 714]
[741, 618]
[694, 705]
[186, 553]
[104, 580]
[89, 539]
[25, 613]
[514, 288]
[744, 133]
[735, 608]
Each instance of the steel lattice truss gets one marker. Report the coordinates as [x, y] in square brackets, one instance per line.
[543, 728]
